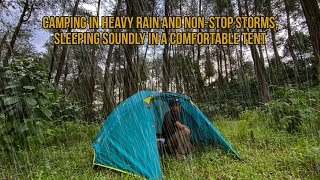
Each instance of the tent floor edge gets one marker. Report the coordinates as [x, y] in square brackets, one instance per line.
[115, 169]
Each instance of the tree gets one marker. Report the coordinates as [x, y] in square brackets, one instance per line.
[3, 41]
[24, 17]
[64, 49]
[259, 67]
[279, 70]
[209, 69]
[166, 67]
[107, 97]
[311, 11]
[289, 5]
[130, 76]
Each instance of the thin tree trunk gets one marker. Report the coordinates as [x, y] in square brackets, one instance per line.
[259, 68]
[16, 32]
[66, 72]
[230, 61]
[3, 42]
[166, 66]
[108, 102]
[312, 13]
[64, 49]
[241, 53]
[279, 78]
[290, 41]
[55, 47]
[219, 59]
[93, 59]
[269, 64]
[225, 64]
[131, 79]
[199, 30]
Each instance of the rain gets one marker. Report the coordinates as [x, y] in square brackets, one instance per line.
[109, 108]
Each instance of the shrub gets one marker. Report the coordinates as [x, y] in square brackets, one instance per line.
[295, 110]
[27, 103]
[24, 102]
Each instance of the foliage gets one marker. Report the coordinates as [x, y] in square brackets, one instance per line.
[295, 109]
[231, 100]
[27, 103]
[65, 109]
[25, 99]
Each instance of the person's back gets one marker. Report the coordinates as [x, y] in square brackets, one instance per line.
[169, 127]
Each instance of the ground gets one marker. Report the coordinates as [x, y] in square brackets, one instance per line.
[264, 152]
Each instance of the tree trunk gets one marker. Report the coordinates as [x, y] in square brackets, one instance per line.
[3, 42]
[16, 32]
[312, 13]
[64, 49]
[230, 61]
[55, 46]
[166, 65]
[93, 66]
[225, 64]
[279, 78]
[132, 81]
[219, 60]
[66, 72]
[241, 70]
[290, 41]
[259, 68]
[269, 64]
[107, 98]
[199, 30]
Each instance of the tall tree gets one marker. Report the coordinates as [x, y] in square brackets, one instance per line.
[208, 67]
[311, 11]
[259, 66]
[166, 65]
[107, 97]
[64, 49]
[131, 78]
[241, 73]
[55, 46]
[3, 41]
[288, 7]
[24, 17]
[279, 70]
[93, 65]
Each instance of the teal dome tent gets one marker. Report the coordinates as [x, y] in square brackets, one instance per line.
[126, 141]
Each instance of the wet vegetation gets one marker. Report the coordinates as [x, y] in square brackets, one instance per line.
[264, 99]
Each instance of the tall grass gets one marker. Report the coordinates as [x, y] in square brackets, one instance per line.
[264, 152]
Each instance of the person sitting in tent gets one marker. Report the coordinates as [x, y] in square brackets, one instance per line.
[176, 134]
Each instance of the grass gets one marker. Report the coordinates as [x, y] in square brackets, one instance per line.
[265, 153]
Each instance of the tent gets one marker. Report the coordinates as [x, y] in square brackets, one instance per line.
[126, 141]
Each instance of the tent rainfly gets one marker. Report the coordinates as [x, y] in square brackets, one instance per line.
[126, 141]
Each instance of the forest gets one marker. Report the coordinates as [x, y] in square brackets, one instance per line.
[263, 98]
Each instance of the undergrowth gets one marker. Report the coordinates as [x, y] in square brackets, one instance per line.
[265, 153]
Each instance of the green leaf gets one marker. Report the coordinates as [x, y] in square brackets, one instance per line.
[23, 127]
[46, 112]
[30, 101]
[42, 101]
[12, 86]
[29, 87]
[8, 139]
[11, 100]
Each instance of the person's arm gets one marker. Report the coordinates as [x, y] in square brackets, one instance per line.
[180, 126]
[183, 127]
